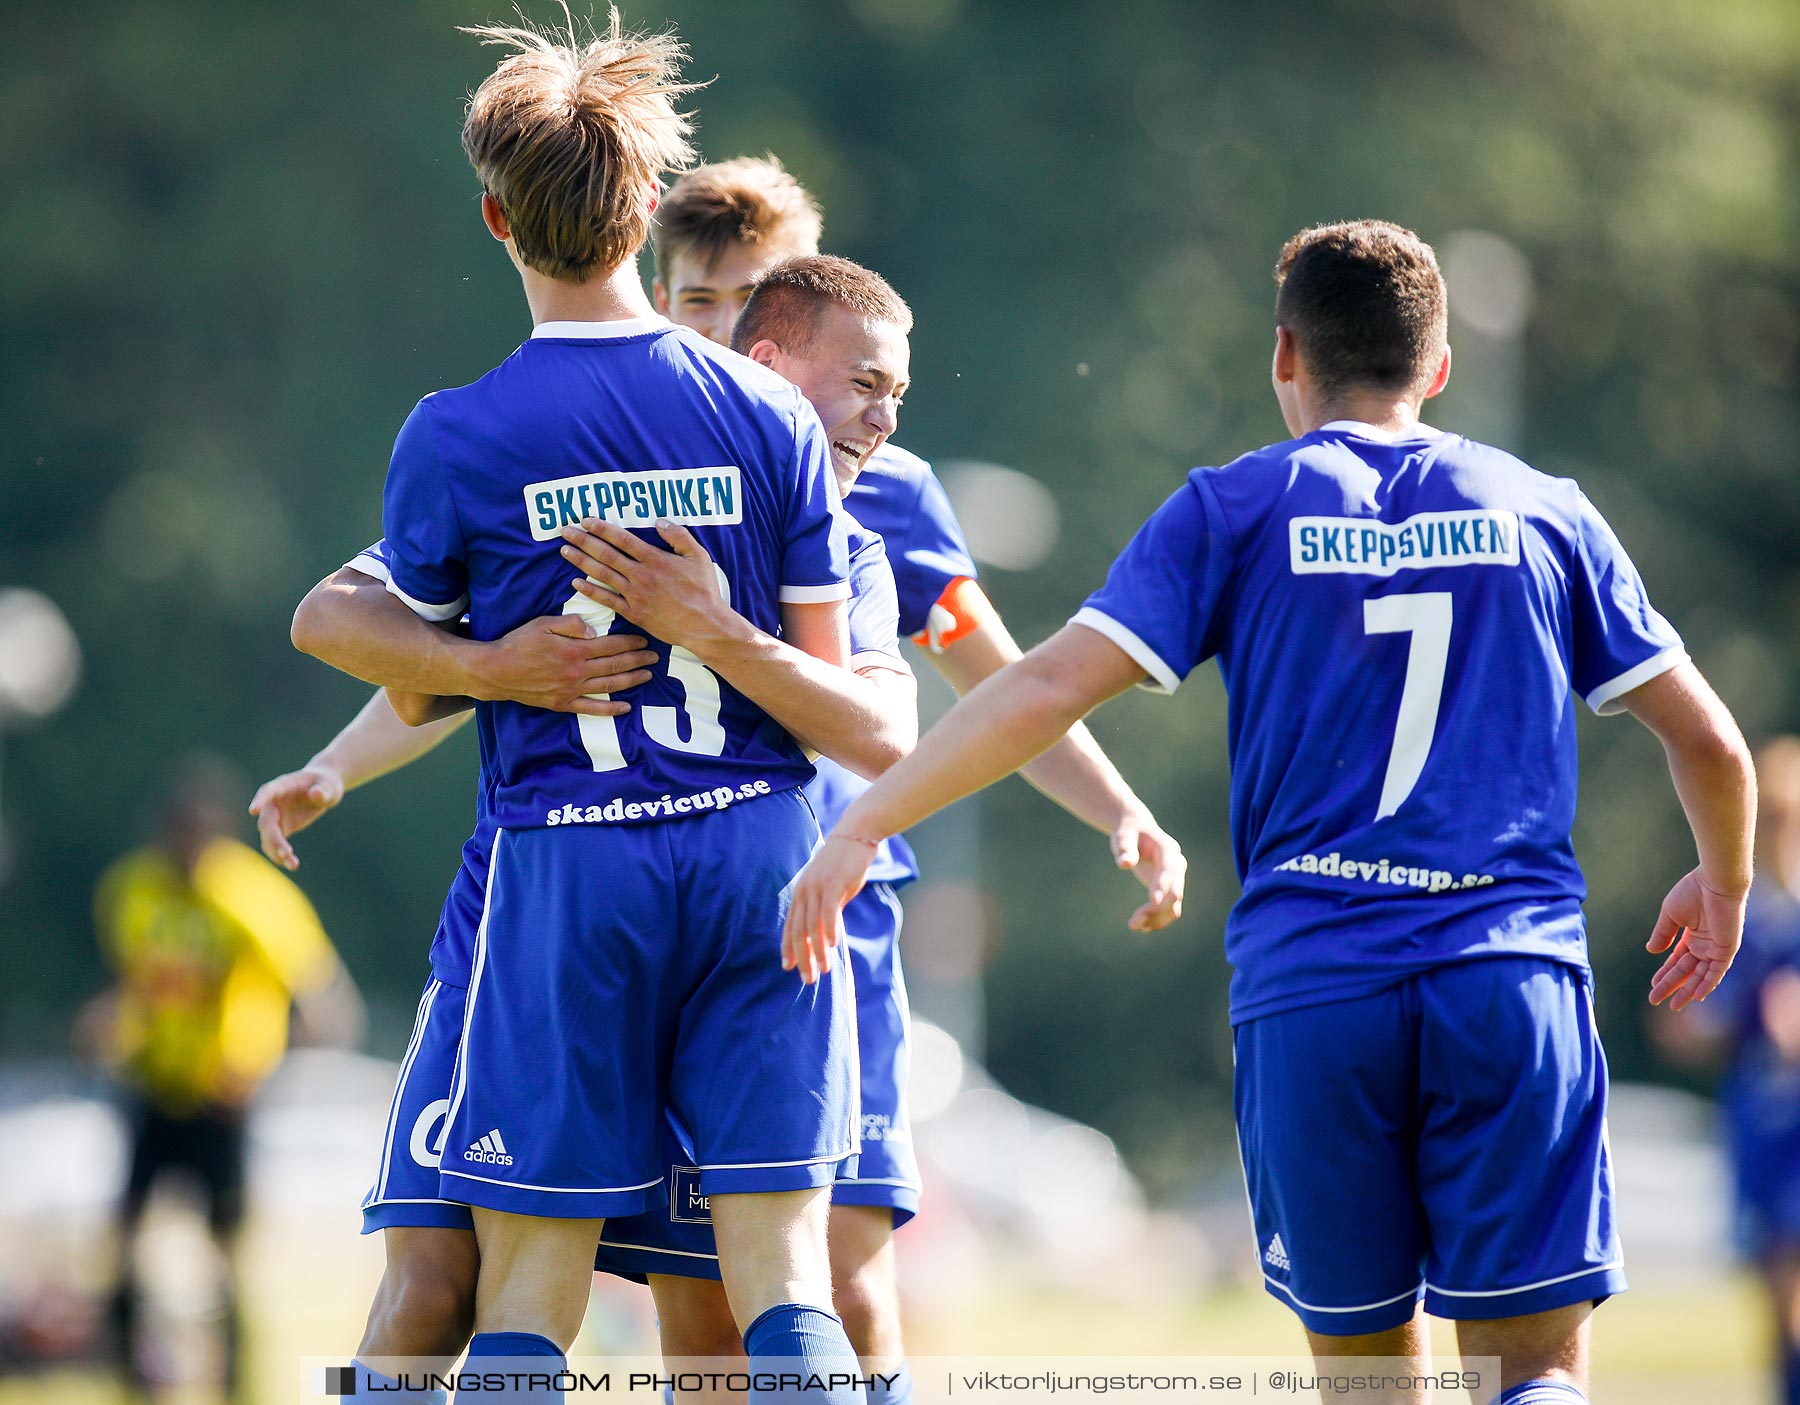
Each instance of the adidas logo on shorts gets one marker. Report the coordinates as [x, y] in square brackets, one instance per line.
[1276, 1255]
[491, 1150]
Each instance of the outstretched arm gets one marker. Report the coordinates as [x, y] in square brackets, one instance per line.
[864, 720]
[371, 744]
[1014, 716]
[1702, 918]
[1073, 771]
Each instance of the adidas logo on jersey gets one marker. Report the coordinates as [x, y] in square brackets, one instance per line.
[1276, 1255]
[490, 1150]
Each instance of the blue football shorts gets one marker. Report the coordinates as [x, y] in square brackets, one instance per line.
[1444, 1137]
[405, 1193]
[678, 1239]
[627, 974]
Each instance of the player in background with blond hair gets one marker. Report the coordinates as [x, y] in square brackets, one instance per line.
[719, 228]
[588, 1023]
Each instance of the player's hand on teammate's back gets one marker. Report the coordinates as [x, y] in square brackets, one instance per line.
[1700, 928]
[559, 662]
[1157, 862]
[288, 804]
[678, 595]
[815, 918]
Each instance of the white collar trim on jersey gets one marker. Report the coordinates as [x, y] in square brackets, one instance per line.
[1420, 430]
[601, 331]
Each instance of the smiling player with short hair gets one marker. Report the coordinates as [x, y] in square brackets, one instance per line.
[720, 227]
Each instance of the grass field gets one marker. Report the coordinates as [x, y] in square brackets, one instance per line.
[1667, 1341]
[1663, 1344]
[976, 1284]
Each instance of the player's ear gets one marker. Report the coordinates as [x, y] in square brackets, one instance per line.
[1442, 378]
[495, 218]
[660, 296]
[1285, 355]
[767, 353]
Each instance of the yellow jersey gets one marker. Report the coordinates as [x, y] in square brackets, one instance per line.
[206, 970]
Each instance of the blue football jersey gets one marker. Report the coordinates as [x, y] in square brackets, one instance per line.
[632, 422]
[874, 628]
[874, 608]
[1402, 625]
[899, 496]
[873, 636]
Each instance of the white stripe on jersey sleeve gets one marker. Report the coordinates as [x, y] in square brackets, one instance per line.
[437, 614]
[1162, 677]
[370, 565]
[1605, 699]
[814, 594]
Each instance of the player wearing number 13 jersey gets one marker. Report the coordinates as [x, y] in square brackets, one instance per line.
[630, 422]
[668, 429]
[1404, 620]
[627, 940]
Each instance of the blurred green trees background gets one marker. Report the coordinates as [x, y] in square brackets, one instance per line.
[241, 241]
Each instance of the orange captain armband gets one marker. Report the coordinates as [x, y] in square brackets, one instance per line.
[961, 610]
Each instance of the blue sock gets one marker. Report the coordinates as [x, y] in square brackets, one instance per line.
[371, 1386]
[1542, 1393]
[807, 1345]
[528, 1352]
[1790, 1378]
[896, 1390]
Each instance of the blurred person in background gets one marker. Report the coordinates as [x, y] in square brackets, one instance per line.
[1752, 1026]
[210, 946]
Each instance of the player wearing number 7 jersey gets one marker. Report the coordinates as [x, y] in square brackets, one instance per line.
[1404, 620]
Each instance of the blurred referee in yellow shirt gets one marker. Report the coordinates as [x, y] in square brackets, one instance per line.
[210, 945]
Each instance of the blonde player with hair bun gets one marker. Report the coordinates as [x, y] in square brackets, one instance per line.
[593, 1015]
